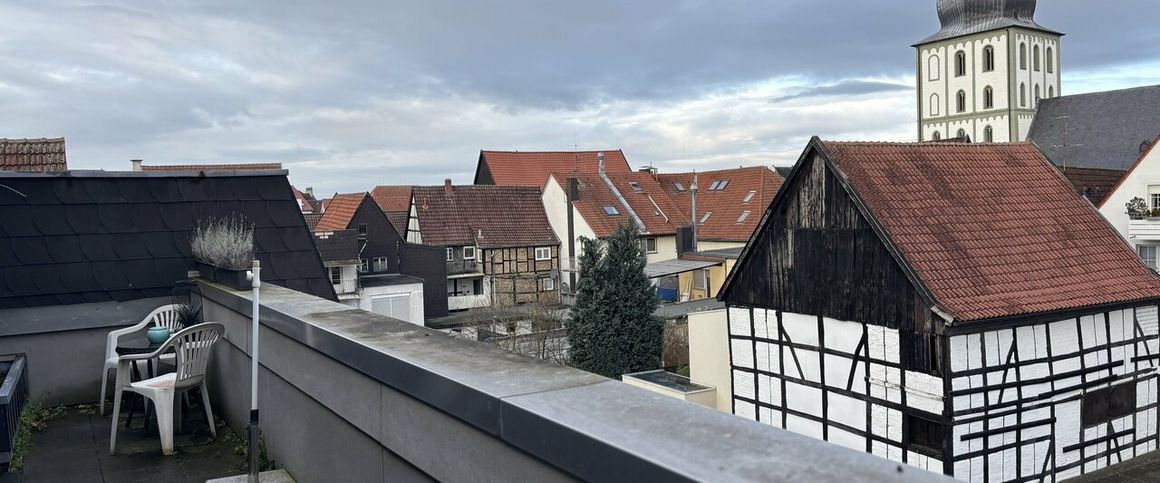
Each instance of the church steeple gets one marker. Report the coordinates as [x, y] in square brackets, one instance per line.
[965, 17]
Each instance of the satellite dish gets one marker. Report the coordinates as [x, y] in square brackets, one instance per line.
[554, 274]
[564, 287]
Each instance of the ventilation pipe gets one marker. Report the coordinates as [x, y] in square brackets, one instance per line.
[693, 194]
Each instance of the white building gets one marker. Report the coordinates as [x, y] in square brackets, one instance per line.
[952, 328]
[982, 75]
[1142, 229]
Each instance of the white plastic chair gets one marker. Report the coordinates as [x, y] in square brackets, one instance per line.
[192, 347]
[165, 315]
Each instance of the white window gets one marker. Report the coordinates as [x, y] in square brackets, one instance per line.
[749, 197]
[380, 264]
[932, 67]
[988, 97]
[1148, 254]
[937, 136]
[744, 215]
[961, 101]
[649, 244]
[364, 266]
[1155, 201]
[721, 185]
[701, 279]
[635, 186]
[713, 187]
[611, 210]
[469, 253]
[451, 254]
[934, 104]
[1050, 61]
[336, 275]
[547, 284]
[543, 253]
[706, 217]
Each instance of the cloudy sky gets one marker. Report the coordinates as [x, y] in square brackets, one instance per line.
[350, 94]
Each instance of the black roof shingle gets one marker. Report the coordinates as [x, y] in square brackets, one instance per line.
[1103, 130]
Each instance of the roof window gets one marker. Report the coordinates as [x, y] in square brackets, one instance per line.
[679, 186]
[635, 186]
[749, 197]
[744, 215]
[706, 217]
[611, 211]
[722, 185]
[713, 187]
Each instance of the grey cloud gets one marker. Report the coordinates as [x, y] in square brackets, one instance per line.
[845, 88]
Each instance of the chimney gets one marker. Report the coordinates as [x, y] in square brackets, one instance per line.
[447, 185]
[310, 191]
[573, 189]
[693, 194]
[136, 164]
[600, 163]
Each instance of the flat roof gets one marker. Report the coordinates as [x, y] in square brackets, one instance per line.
[676, 266]
[669, 380]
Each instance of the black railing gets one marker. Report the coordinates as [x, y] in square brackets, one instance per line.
[13, 394]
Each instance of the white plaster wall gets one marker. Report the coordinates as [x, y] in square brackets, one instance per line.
[717, 245]
[415, 290]
[666, 249]
[1135, 184]
[555, 201]
[709, 354]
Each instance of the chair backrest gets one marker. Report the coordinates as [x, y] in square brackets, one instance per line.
[166, 316]
[192, 347]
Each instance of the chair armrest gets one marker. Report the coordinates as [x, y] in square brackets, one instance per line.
[113, 335]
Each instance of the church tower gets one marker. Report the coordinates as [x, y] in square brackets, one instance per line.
[984, 73]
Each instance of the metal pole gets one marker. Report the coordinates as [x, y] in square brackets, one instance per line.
[256, 282]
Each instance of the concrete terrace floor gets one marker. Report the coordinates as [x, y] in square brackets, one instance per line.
[1143, 468]
[74, 448]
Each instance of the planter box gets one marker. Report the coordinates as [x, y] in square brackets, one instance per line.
[13, 395]
[235, 279]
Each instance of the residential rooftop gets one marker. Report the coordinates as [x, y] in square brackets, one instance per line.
[531, 168]
[42, 154]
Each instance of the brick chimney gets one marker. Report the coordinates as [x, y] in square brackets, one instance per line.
[447, 185]
[136, 164]
[600, 161]
[310, 191]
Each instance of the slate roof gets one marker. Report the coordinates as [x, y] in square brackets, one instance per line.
[337, 247]
[1104, 130]
[728, 204]
[212, 167]
[507, 216]
[32, 155]
[966, 17]
[656, 210]
[93, 236]
[514, 168]
[340, 211]
[991, 230]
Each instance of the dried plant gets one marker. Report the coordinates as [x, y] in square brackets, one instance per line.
[226, 242]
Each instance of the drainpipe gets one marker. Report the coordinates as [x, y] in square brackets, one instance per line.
[255, 283]
[693, 194]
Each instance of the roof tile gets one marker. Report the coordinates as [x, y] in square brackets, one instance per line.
[487, 216]
[32, 154]
[515, 168]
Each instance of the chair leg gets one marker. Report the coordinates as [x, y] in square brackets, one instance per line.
[104, 387]
[178, 413]
[208, 411]
[163, 405]
[116, 411]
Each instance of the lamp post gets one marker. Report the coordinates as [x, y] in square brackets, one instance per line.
[255, 282]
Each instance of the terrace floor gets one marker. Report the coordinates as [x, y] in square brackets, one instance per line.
[1143, 468]
[74, 448]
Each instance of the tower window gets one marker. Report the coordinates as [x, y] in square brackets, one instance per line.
[988, 97]
[1037, 97]
[1023, 56]
[936, 136]
[934, 104]
[932, 67]
[961, 134]
[988, 134]
[1050, 60]
[1022, 95]
[1035, 58]
[960, 64]
[961, 101]
[988, 59]
[1050, 92]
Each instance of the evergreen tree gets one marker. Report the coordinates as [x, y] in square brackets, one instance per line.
[613, 330]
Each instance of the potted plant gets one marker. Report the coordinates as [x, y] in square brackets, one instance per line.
[188, 315]
[1137, 208]
[224, 248]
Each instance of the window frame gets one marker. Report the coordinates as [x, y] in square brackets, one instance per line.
[474, 252]
[1023, 56]
[645, 241]
[635, 186]
[450, 254]
[1035, 59]
[1050, 60]
[961, 101]
[962, 133]
[547, 284]
[934, 104]
[333, 271]
[742, 217]
[1022, 94]
[723, 184]
[749, 197]
[362, 230]
[961, 63]
[701, 279]
[937, 136]
[933, 66]
[988, 134]
[364, 265]
[1155, 249]
[378, 262]
[679, 186]
[988, 59]
[925, 434]
[705, 217]
[988, 97]
[1101, 406]
[610, 210]
[545, 257]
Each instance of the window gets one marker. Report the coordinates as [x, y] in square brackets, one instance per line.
[543, 253]
[749, 197]
[547, 284]
[744, 215]
[937, 136]
[713, 186]
[988, 135]
[988, 59]
[1022, 95]
[649, 244]
[335, 275]
[934, 104]
[1037, 97]
[611, 211]
[722, 185]
[961, 134]
[921, 352]
[1050, 60]
[1155, 201]
[701, 279]
[1035, 58]
[961, 101]
[1148, 254]
[679, 186]
[380, 264]
[988, 97]
[1110, 403]
[1050, 91]
[469, 253]
[362, 230]
[1023, 56]
[926, 435]
[364, 266]
[451, 254]
[635, 186]
[706, 217]
[933, 67]
[960, 64]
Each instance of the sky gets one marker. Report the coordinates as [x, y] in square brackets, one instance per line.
[352, 94]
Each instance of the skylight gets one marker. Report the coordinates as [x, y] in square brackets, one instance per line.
[749, 197]
[706, 217]
[713, 187]
[680, 187]
[635, 186]
[722, 184]
[611, 211]
[744, 215]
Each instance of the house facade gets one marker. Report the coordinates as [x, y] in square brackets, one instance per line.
[729, 202]
[1141, 229]
[926, 321]
[498, 245]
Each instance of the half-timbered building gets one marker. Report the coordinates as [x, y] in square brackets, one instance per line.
[956, 307]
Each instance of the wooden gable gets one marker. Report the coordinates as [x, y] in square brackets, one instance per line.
[816, 253]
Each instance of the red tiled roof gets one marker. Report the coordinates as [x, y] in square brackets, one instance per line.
[306, 201]
[213, 167]
[392, 198]
[513, 168]
[487, 216]
[992, 230]
[728, 204]
[656, 210]
[32, 155]
[339, 212]
[1096, 183]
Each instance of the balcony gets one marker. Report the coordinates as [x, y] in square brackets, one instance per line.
[463, 267]
[349, 395]
[1147, 229]
[464, 302]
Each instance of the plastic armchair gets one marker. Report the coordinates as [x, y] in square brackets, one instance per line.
[165, 315]
[192, 347]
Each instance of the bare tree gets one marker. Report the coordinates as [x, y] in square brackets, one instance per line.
[534, 329]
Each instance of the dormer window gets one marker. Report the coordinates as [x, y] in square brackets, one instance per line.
[611, 211]
[749, 197]
[705, 217]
